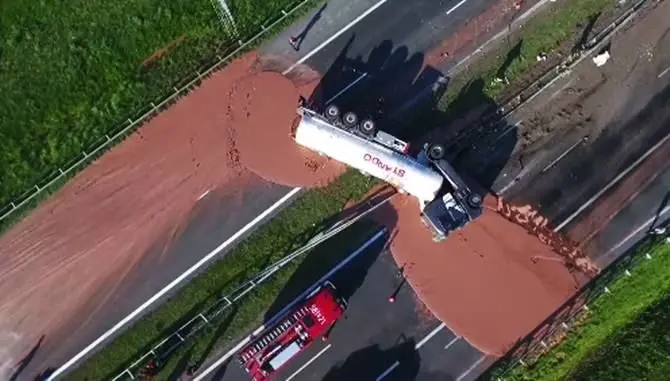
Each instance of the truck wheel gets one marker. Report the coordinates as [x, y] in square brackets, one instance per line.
[436, 152]
[475, 200]
[368, 127]
[332, 113]
[349, 120]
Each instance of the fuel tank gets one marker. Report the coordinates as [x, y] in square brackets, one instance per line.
[402, 171]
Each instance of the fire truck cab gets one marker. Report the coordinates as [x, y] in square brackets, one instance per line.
[280, 343]
[446, 201]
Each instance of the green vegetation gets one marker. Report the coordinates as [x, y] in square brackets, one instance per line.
[272, 242]
[625, 336]
[548, 31]
[278, 236]
[640, 351]
[71, 72]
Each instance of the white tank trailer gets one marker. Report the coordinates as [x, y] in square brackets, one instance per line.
[376, 153]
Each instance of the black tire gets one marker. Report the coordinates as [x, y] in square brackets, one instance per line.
[436, 152]
[349, 120]
[475, 200]
[368, 127]
[332, 113]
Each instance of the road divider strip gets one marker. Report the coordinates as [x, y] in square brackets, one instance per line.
[226, 356]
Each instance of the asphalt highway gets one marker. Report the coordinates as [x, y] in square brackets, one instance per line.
[373, 329]
[375, 334]
[217, 218]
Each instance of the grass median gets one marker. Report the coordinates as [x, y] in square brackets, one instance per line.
[278, 236]
[72, 72]
[624, 334]
[272, 242]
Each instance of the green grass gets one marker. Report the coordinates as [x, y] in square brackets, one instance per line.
[639, 351]
[545, 32]
[71, 72]
[269, 244]
[591, 346]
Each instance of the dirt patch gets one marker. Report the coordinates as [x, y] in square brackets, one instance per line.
[159, 54]
[482, 281]
[264, 112]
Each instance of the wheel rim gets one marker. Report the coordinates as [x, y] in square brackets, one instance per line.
[475, 199]
[436, 152]
[368, 126]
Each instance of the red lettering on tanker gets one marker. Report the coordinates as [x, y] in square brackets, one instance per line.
[379, 163]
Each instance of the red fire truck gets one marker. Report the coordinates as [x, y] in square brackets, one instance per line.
[281, 342]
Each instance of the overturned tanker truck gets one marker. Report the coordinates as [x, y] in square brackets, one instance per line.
[445, 205]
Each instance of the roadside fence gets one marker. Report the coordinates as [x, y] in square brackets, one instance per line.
[575, 311]
[115, 135]
[172, 342]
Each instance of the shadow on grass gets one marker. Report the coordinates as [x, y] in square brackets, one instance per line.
[388, 87]
[402, 94]
[531, 344]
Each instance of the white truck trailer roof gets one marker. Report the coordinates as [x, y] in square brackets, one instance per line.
[402, 171]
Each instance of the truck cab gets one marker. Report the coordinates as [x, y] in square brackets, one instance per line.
[447, 203]
[456, 204]
[283, 341]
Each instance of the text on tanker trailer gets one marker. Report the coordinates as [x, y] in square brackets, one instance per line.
[283, 341]
[445, 206]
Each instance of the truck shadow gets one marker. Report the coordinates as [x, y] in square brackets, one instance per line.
[370, 362]
[414, 101]
[323, 258]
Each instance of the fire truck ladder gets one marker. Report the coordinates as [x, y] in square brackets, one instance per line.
[270, 336]
[204, 318]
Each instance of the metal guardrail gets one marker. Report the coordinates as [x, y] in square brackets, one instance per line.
[116, 134]
[166, 346]
[554, 330]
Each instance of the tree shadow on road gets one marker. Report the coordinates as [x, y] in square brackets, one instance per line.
[406, 98]
[370, 362]
[318, 262]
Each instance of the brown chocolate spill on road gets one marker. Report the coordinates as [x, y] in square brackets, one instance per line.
[264, 107]
[536, 224]
[481, 281]
[79, 247]
[500, 13]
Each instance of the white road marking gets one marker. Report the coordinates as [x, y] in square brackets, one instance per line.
[174, 283]
[611, 183]
[471, 368]
[455, 7]
[452, 342]
[562, 155]
[203, 195]
[387, 371]
[418, 345]
[305, 365]
[334, 36]
[664, 72]
[430, 336]
[225, 357]
[638, 230]
[349, 86]
[221, 247]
